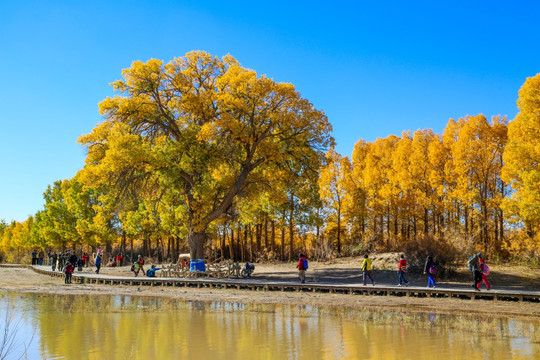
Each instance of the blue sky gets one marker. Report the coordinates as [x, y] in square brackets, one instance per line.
[375, 68]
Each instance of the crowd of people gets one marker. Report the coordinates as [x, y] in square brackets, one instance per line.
[476, 264]
[67, 261]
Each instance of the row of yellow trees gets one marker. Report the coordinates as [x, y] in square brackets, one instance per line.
[203, 155]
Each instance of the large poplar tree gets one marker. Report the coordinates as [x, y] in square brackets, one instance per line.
[205, 127]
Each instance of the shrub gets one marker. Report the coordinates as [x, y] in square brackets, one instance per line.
[444, 253]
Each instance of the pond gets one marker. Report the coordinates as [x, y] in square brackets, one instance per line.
[123, 327]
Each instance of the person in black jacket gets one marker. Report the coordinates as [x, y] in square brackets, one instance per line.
[72, 258]
[474, 266]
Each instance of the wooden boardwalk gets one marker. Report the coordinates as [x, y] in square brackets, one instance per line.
[258, 285]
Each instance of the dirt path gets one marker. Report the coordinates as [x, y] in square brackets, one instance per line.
[336, 272]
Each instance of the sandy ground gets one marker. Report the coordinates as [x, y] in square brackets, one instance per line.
[340, 271]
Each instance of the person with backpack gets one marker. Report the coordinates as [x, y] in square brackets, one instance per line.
[135, 268]
[474, 266]
[152, 271]
[431, 270]
[302, 267]
[366, 270]
[484, 269]
[402, 268]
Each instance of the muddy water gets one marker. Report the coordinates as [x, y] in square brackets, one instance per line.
[120, 327]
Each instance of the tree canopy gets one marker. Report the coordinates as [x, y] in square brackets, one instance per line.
[204, 127]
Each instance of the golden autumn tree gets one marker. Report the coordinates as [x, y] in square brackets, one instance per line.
[421, 169]
[522, 157]
[477, 155]
[377, 169]
[333, 178]
[204, 125]
[404, 180]
[359, 207]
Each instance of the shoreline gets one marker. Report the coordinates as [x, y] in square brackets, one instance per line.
[24, 280]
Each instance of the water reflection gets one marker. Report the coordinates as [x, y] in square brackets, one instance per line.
[120, 327]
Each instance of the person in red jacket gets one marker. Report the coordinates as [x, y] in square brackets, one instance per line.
[483, 268]
[302, 262]
[68, 271]
[402, 268]
[120, 259]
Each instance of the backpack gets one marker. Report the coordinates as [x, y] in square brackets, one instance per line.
[432, 269]
[305, 264]
[469, 262]
[132, 268]
[486, 269]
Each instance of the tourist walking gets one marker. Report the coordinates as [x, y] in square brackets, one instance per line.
[302, 267]
[53, 259]
[135, 268]
[34, 257]
[98, 263]
[140, 261]
[366, 270]
[431, 270]
[402, 268]
[484, 269]
[474, 266]
[41, 256]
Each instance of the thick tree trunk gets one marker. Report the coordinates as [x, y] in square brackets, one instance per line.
[196, 241]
